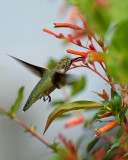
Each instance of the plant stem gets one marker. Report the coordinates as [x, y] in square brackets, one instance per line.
[26, 127]
[92, 70]
[32, 132]
[97, 73]
[112, 85]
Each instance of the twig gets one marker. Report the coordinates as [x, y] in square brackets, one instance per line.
[92, 70]
[26, 127]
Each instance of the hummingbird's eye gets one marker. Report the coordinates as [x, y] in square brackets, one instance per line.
[69, 62]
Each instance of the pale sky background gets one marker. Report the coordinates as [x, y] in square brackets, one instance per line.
[21, 35]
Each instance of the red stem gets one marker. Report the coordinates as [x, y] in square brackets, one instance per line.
[112, 85]
[101, 63]
[83, 20]
[98, 73]
[92, 70]
[63, 37]
[110, 79]
[26, 127]
[32, 132]
[77, 44]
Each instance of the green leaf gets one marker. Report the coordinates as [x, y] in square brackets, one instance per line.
[18, 101]
[57, 102]
[92, 143]
[70, 107]
[119, 133]
[122, 114]
[105, 102]
[115, 145]
[115, 102]
[55, 145]
[32, 128]
[65, 115]
[52, 63]
[77, 86]
[117, 59]
[100, 15]
[110, 155]
[60, 102]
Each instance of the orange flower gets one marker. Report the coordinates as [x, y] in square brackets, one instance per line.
[91, 55]
[104, 115]
[74, 121]
[106, 127]
[83, 54]
[95, 56]
[68, 25]
[50, 32]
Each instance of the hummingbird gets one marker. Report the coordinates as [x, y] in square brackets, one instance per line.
[50, 79]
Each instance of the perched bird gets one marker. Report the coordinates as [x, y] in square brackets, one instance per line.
[50, 79]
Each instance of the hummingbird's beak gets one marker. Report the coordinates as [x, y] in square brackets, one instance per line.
[76, 59]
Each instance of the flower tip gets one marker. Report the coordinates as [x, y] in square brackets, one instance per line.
[45, 30]
[54, 25]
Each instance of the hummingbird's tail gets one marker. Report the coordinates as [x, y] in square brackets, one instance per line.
[26, 107]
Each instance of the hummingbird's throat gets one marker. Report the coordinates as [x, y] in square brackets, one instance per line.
[62, 70]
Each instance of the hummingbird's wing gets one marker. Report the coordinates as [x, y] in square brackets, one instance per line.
[39, 71]
[61, 79]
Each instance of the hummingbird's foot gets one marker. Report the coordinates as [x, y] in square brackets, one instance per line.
[44, 99]
[47, 98]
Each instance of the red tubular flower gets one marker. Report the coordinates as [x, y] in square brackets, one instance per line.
[83, 54]
[89, 37]
[50, 32]
[106, 127]
[83, 20]
[74, 121]
[60, 35]
[68, 25]
[104, 115]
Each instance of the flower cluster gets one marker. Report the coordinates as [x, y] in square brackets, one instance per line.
[88, 59]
